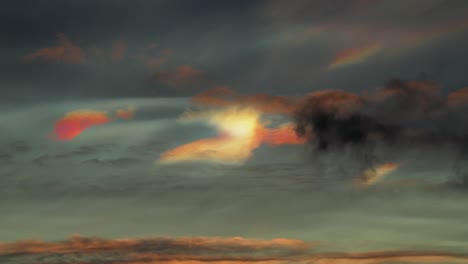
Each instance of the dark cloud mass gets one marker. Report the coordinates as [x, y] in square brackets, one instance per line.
[402, 113]
[401, 110]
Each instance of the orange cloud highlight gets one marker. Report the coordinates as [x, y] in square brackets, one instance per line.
[125, 113]
[458, 98]
[285, 134]
[74, 123]
[353, 56]
[65, 51]
[375, 175]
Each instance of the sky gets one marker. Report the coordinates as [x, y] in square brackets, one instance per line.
[88, 49]
[177, 131]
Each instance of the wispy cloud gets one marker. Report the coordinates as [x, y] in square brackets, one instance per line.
[65, 51]
[354, 55]
[118, 51]
[182, 76]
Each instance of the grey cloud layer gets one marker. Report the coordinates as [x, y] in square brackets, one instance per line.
[105, 181]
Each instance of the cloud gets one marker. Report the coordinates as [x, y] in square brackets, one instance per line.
[458, 97]
[119, 162]
[6, 159]
[119, 50]
[126, 113]
[354, 56]
[81, 151]
[96, 53]
[153, 56]
[239, 134]
[182, 76]
[19, 146]
[202, 250]
[372, 176]
[387, 27]
[74, 123]
[65, 51]
[401, 116]
[282, 135]
[240, 131]
[339, 117]
[225, 96]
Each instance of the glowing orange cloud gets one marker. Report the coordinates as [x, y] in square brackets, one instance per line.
[354, 55]
[240, 133]
[373, 176]
[74, 123]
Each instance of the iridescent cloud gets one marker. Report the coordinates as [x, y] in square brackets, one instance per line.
[354, 55]
[75, 123]
[240, 130]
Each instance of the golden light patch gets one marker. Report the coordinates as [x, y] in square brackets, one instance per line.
[240, 130]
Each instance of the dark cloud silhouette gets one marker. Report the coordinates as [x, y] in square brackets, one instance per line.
[401, 115]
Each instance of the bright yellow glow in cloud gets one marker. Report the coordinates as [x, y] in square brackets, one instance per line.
[240, 132]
